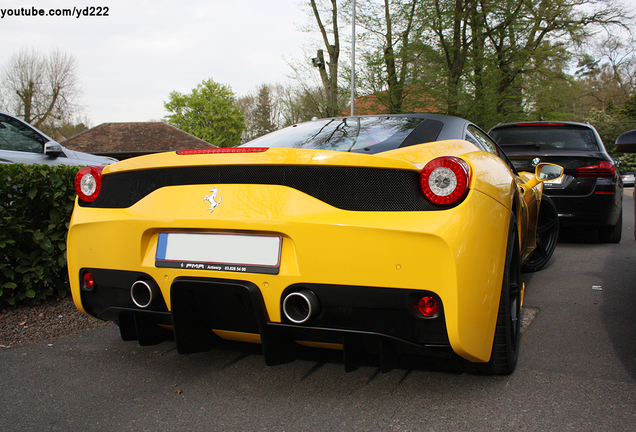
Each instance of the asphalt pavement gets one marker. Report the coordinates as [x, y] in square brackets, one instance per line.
[576, 372]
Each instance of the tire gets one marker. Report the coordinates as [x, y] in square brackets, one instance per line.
[611, 234]
[505, 348]
[547, 236]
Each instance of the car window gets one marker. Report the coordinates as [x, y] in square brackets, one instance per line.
[483, 140]
[342, 134]
[17, 136]
[546, 138]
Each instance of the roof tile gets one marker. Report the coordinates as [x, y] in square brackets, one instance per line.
[133, 137]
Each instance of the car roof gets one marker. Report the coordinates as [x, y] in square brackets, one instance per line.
[547, 123]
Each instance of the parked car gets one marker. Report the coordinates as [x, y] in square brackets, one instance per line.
[628, 178]
[22, 143]
[376, 235]
[590, 193]
[626, 143]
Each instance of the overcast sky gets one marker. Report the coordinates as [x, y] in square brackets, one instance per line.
[130, 60]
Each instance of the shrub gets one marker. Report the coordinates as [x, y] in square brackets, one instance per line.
[36, 203]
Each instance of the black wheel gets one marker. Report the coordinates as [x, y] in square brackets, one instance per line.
[505, 348]
[547, 236]
[611, 234]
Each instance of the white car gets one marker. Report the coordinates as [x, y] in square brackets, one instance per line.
[628, 178]
[22, 143]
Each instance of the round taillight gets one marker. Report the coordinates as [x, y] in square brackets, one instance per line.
[88, 182]
[87, 281]
[427, 306]
[445, 180]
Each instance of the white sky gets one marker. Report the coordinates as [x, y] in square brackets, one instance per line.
[132, 59]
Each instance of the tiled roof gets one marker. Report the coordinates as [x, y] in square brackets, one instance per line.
[370, 104]
[144, 137]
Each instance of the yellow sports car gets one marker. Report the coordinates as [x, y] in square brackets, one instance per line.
[377, 235]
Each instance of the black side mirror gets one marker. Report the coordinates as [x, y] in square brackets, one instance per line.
[626, 142]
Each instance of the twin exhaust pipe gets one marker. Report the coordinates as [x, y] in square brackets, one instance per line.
[301, 306]
[298, 306]
[145, 294]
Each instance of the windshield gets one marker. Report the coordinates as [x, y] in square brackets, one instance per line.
[545, 138]
[341, 134]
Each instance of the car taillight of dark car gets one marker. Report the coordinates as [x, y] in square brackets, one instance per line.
[603, 169]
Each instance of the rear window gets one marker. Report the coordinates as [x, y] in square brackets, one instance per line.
[342, 134]
[545, 138]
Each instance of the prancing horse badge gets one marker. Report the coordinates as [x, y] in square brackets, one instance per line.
[212, 199]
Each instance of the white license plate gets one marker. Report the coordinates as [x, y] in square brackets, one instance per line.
[241, 253]
[556, 181]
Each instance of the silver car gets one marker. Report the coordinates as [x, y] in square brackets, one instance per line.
[22, 143]
[628, 178]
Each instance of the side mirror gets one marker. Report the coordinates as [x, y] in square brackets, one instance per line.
[626, 142]
[547, 172]
[53, 149]
[544, 172]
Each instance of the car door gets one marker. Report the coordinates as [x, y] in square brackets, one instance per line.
[19, 143]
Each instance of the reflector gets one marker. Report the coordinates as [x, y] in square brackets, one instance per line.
[427, 306]
[88, 281]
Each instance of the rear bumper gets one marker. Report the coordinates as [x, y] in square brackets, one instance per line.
[359, 320]
[456, 254]
[597, 209]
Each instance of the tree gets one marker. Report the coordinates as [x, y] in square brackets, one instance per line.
[630, 107]
[329, 77]
[262, 110]
[43, 90]
[608, 75]
[209, 113]
[389, 64]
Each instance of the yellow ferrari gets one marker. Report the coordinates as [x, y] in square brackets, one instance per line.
[380, 236]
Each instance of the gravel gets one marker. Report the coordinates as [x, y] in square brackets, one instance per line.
[51, 320]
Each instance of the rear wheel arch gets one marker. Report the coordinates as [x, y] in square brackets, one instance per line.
[505, 349]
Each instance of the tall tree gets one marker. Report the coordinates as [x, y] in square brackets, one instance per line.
[328, 69]
[42, 89]
[392, 28]
[263, 110]
[209, 112]
[449, 25]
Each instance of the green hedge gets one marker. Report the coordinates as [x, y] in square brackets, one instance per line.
[36, 202]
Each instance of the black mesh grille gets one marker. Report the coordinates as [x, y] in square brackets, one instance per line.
[347, 188]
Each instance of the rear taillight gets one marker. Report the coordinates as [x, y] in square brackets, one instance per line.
[603, 169]
[222, 150]
[445, 180]
[88, 182]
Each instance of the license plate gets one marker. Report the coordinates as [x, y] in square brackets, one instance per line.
[242, 253]
[556, 181]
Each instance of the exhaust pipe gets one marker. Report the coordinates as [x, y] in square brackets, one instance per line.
[300, 306]
[144, 294]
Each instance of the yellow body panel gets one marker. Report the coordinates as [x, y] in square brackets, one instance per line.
[456, 253]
